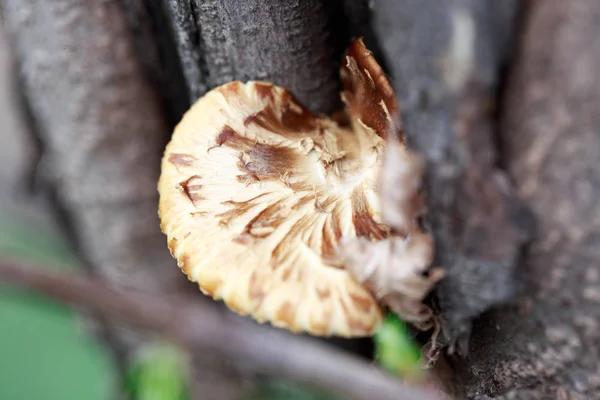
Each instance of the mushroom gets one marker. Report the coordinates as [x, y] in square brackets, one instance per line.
[257, 194]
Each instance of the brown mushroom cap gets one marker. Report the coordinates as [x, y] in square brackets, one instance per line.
[256, 193]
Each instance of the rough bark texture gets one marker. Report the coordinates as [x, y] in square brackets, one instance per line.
[548, 346]
[154, 42]
[445, 58]
[285, 42]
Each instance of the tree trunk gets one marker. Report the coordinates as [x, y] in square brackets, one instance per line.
[446, 58]
[547, 346]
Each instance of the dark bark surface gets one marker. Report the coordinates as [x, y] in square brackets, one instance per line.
[224, 40]
[445, 58]
[547, 347]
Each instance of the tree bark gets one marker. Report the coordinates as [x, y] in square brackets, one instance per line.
[445, 58]
[286, 42]
[547, 347]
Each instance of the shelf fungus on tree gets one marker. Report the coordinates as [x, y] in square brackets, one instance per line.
[273, 209]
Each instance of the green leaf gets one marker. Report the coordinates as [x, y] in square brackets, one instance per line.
[159, 372]
[395, 349]
[44, 356]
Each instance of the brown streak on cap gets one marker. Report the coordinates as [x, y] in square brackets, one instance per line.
[286, 313]
[255, 288]
[365, 87]
[248, 120]
[336, 225]
[191, 189]
[238, 208]
[364, 224]
[247, 179]
[231, 138]
[286, 274]
[287, 117]
[354, 323]
[327, 202]
[319, 327]
[181, 159]
[282, 250]
[243, 239]
[358, 326]
[329, 241]
[361, 302]
[265, 91]
[272, 216]
[252, 200]
[302, 201]
[172, 246]
[267, 162]
[323, 293]
[185, 262]
[291, 124]
[234, 88]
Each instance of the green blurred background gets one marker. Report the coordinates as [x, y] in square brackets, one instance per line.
[44, 350]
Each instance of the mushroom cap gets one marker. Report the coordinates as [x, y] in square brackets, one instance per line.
[256, 193]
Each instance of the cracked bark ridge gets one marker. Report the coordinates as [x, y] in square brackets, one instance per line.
[445, 57]
[183, 19]
[547, 346]
[286, 43]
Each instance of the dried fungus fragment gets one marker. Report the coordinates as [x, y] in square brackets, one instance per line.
[257, 195]
[396, 271]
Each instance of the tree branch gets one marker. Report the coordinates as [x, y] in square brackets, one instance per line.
[202, 328]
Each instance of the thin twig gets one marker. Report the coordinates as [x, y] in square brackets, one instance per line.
[202, 328]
